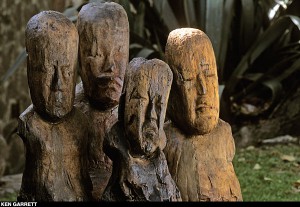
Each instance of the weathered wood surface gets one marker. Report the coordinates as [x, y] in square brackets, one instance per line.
[100, 166]
[136, 141]
[200, 146]
[194, 98]
[201, 165]
[54, 133]
[51, 44]
[56, 154]
[103, 58]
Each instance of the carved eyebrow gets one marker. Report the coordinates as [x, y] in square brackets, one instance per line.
[205, 67]
[159, 99]
[211, 74]
[95, 56]
[182, 79]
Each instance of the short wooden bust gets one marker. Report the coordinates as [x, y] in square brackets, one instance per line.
[103, 49]
[200, 147]
[136, 141]
[54, 133]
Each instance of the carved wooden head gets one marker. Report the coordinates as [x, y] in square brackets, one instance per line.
[52, 46]
[148, 84]
[104, 50]
[194, 97]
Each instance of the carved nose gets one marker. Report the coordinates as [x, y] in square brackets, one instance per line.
[54, 83]
[152, 113]
[109, 68]
[201, 88]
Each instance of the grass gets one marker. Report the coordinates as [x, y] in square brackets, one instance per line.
[269, 173]
[9, 197]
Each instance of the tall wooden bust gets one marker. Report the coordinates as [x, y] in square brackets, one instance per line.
[103, 57]
[200, 147]
[136, 141]
[53, 131]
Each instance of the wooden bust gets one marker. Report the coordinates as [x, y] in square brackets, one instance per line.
[54, 133]
[136, 141]
[103, 57]
[200, 147]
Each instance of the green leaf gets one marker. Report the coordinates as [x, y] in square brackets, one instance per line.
[139, 25]
[189, 11]
[247, 32]
[159, 47]
[253, 76]
[269, 37]
[166, 13]
[71, 11]
[228, 14]
[276, 88]
[289, 71]
[214, 18]
[202, 14]
[145, 52]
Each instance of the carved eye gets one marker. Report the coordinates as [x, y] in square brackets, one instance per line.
[159, 103]
[180, 78]
[204, 66]
[208, 73]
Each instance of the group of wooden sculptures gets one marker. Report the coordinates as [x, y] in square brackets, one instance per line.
[146, 130]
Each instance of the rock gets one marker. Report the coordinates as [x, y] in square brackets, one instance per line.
[10, 184]
[280, 140]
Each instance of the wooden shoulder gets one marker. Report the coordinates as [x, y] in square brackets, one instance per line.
[224, 125]
[225, 133]
[24, 118]
[81, 116]
[172, 131]
[80, 101]
[115, 142]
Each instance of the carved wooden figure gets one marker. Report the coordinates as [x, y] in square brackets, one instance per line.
[54, 133]
[136, 141]
[103, 57]
[200, 147]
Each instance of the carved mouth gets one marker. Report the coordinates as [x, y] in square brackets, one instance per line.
[106, 75]
[104, 80]
[148, 147]
[202, 106]
[205, 107]
[150, 131]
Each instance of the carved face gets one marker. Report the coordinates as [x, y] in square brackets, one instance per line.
[104, 49]
[194, 98]
[146, 100]
[51, 63]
